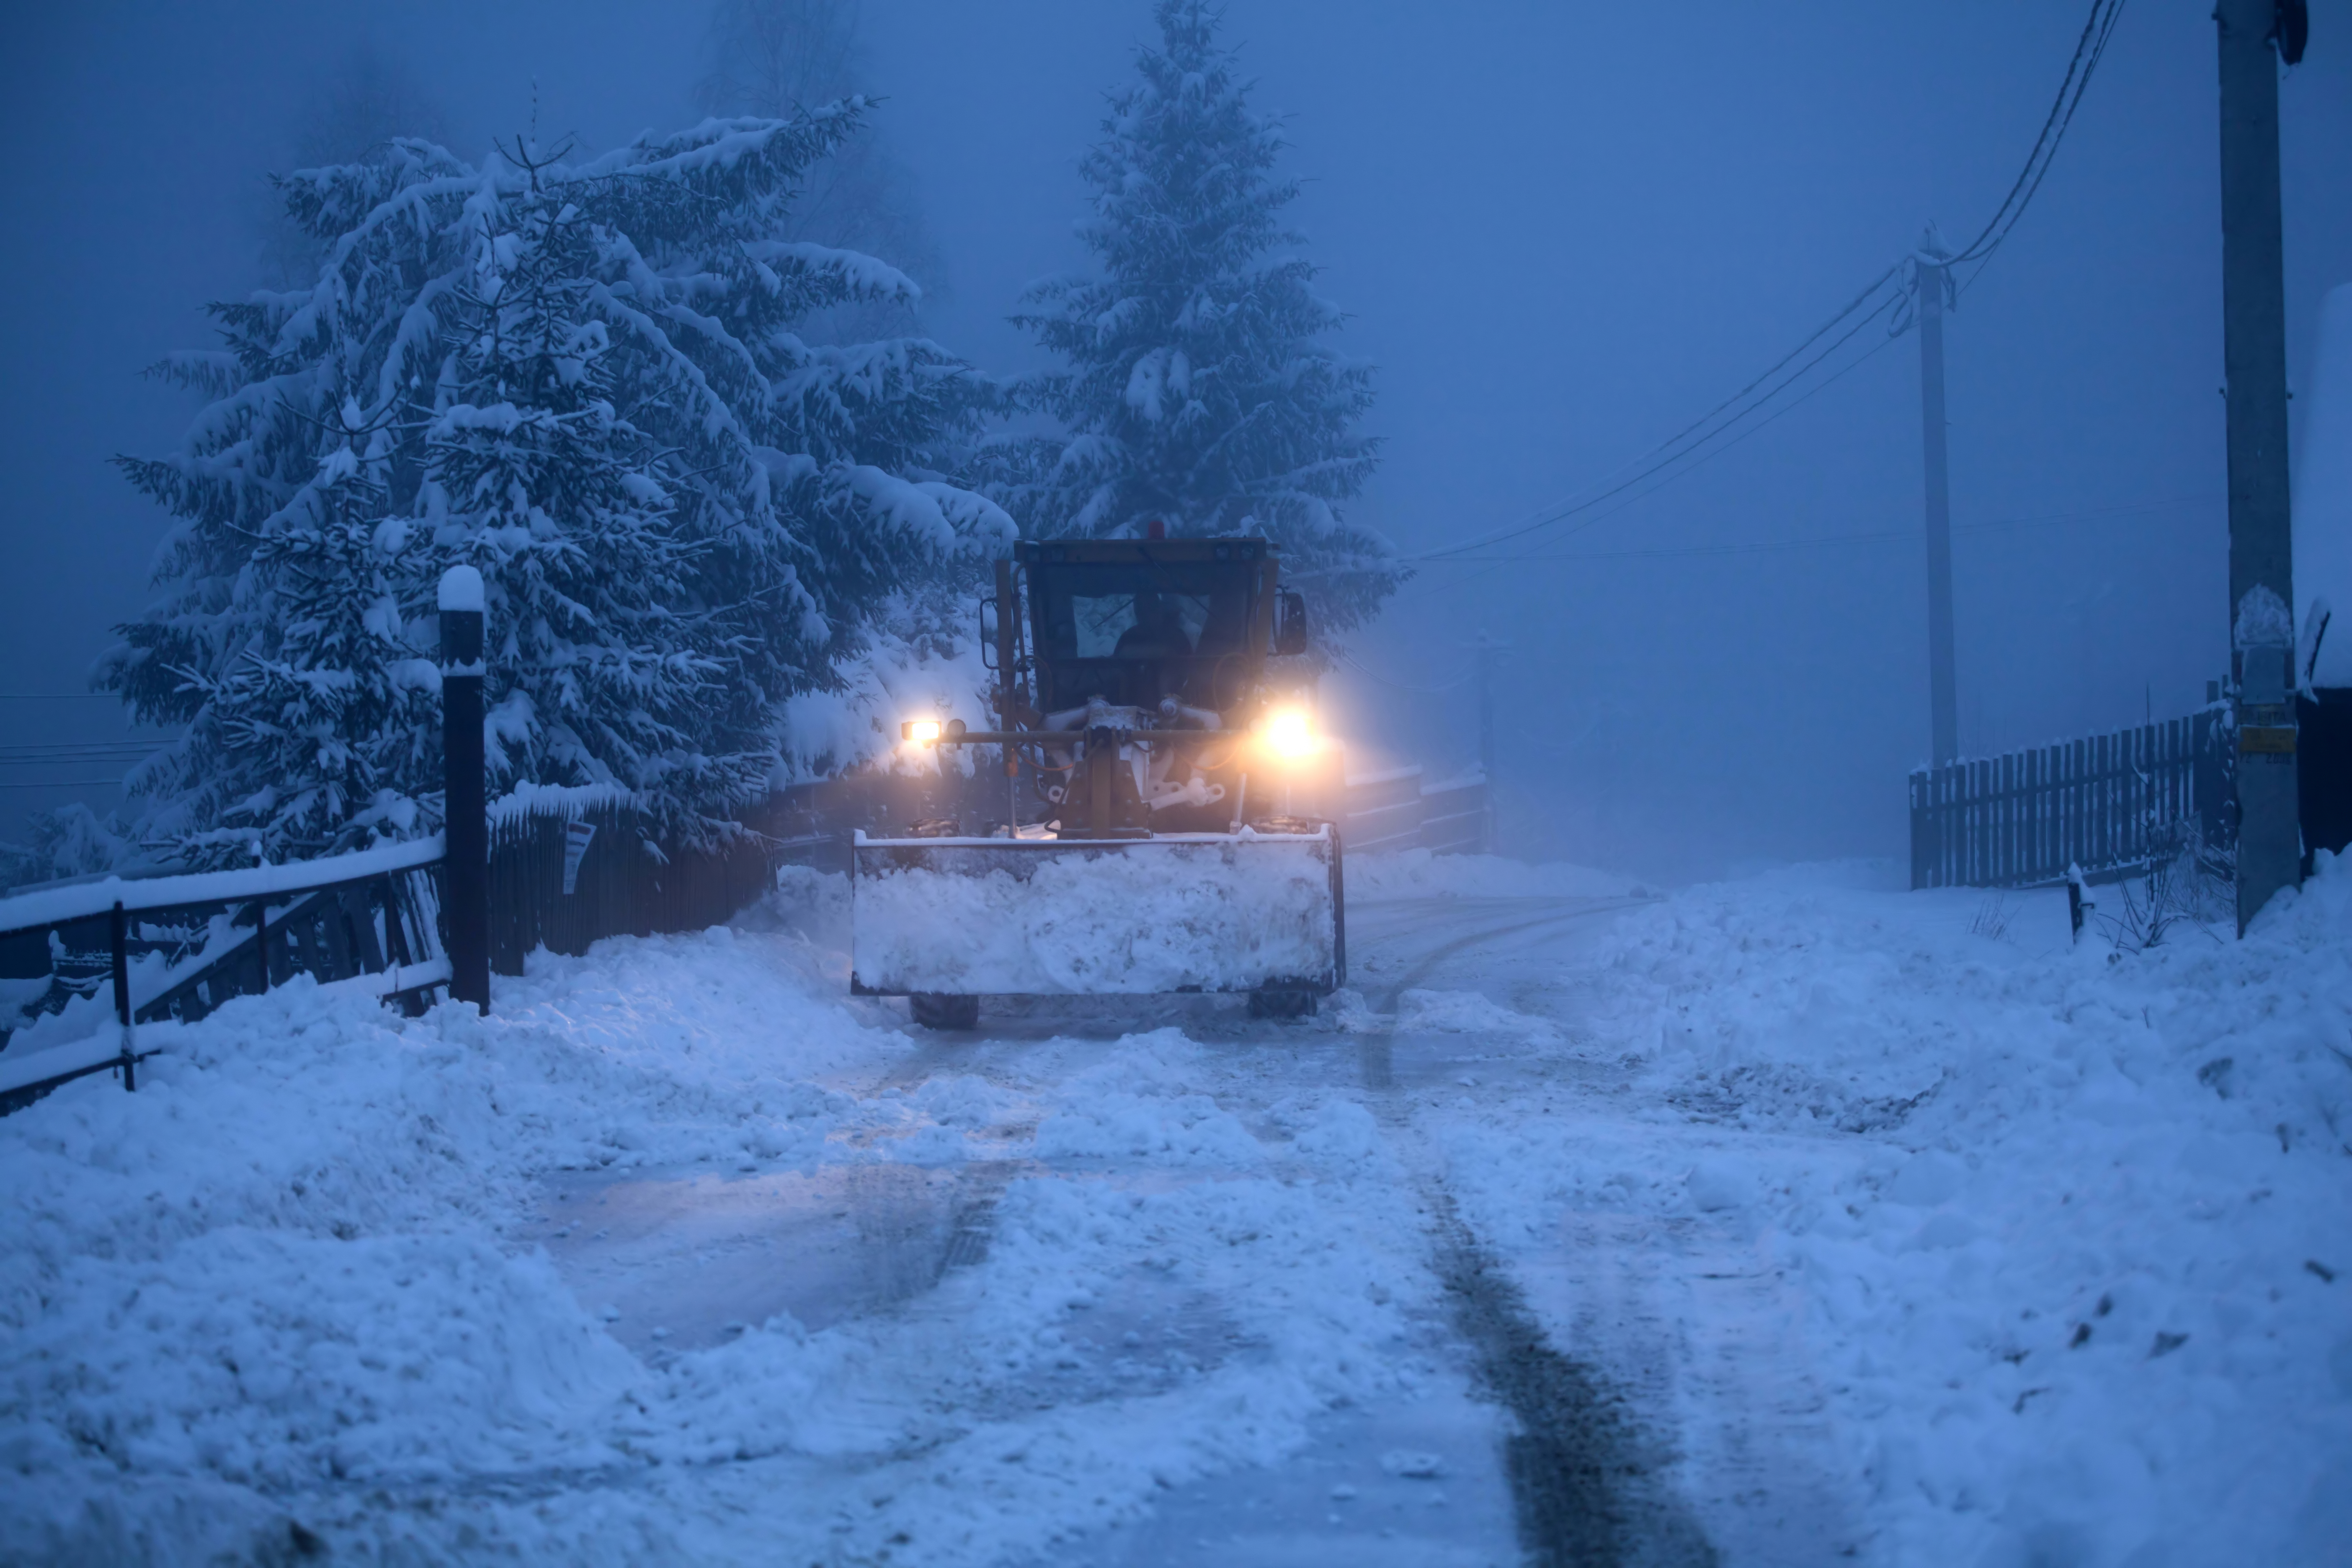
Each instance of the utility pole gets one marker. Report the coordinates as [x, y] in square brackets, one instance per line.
[1488, 647]
[2253, 356]
[1932, 279]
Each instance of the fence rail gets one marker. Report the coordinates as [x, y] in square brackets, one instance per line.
[171, 948]
[1399, 809]
[2110, 804]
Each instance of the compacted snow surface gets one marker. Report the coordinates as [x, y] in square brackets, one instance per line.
[1840, 1224]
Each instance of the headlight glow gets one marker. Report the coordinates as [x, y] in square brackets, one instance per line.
[1290, 734]
[922, 732]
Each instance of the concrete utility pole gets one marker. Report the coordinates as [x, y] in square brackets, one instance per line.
[1932, 279]
[1488, 647]
[2254, 354]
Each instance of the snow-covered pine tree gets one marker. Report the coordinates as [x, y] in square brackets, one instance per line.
[773, 57]
[1195, 389]
[583, 380]
[349, 112]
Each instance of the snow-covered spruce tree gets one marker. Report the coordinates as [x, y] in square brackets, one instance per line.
[1195, 390]
[771, 58]
[583, 380]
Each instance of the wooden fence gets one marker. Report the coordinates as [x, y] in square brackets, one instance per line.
[569, 867]
[2109, 805]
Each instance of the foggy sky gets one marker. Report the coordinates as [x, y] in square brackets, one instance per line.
[1560, 231]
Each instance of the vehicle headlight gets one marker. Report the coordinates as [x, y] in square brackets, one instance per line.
[1290, 734]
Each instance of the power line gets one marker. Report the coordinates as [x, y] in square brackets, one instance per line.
[75, 759]
[1489, 565]
[1702, 461]
[1882, 536]
[1683, 446]
[2090, 48]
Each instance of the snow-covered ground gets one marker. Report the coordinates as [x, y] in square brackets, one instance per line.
[1792, 1221]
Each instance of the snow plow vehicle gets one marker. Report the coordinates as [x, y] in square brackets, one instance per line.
[1149, 843]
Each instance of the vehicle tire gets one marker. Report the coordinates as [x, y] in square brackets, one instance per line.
[1282, 1004]
[945, 1010]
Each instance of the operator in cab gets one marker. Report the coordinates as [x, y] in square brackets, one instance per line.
[1156, 643]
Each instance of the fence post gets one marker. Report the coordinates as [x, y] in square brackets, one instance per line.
[120, 929]
[1918, 829]
[464, 800]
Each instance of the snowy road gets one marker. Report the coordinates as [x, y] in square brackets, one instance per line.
[1519, 1448]
[1795, 1221]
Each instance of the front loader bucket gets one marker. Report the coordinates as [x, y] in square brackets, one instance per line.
[1185, 911]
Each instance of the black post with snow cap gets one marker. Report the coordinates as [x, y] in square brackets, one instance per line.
[466, 797]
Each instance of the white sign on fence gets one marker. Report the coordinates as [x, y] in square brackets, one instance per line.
[576, 838]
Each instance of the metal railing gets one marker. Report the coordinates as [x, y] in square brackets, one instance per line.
[1398, 808]
[168, 948]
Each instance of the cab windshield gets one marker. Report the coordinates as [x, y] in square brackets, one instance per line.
[1132, 633]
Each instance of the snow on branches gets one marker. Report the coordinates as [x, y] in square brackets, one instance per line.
[583, 379]
[1195, 391]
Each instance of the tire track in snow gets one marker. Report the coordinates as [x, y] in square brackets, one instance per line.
[1588, 1483]
[1692, 1328]
[980, 1189]
[1376, 1048]
[1585, 1480]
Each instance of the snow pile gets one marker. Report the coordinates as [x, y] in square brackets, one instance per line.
[1316, 1292]
[2067, 1226]
[1467, 1012]
[1418, 874]
[1164, 914]
[285, 1298]
[280, 1265]
[1143, 1105]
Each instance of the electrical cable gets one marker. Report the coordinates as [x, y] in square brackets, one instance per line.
[1818, 333]
[2097, 30]
[1665, 454]
[98, 760]
[1704, 459]
[1882, 536]
[1696, 451]
[2090, 48]
[81, 746]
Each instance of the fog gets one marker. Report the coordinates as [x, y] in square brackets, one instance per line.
[1560, 232]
